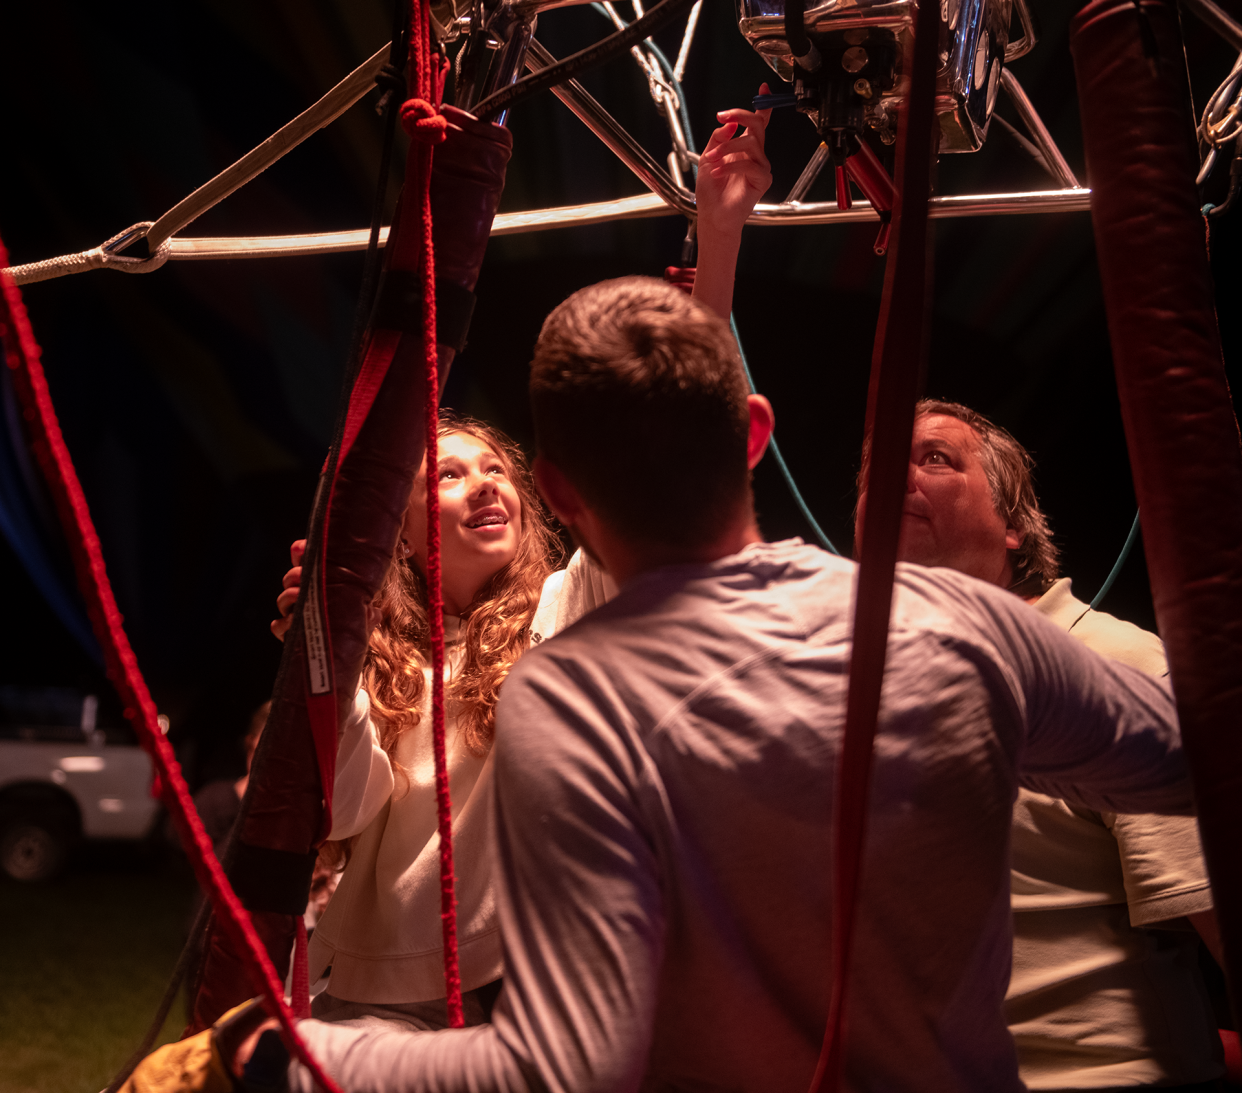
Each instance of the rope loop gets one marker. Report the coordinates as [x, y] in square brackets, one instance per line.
[421, 121]
[112, 259]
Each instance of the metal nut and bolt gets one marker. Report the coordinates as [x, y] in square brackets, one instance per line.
[854, 59]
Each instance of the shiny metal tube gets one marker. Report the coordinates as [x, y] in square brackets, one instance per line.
[1057, 166]
[640, 206]
[809, 174]
[1026, 43]
[940, 208]
[610, 131]
[518, 37]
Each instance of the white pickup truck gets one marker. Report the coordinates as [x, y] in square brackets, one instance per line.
[66, 774]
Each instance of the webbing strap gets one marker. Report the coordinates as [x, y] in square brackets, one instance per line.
[22, 356]
[399, 306]
[896, 366]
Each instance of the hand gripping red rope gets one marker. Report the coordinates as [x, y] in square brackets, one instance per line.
[22, 356]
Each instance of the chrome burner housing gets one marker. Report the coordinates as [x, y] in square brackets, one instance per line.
[974, 45]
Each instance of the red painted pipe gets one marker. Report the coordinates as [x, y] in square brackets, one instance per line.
[1182, 435]
[864, 168]
[843, 188]
[896, 367]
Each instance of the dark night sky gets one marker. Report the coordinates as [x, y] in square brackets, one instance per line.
[198, 401]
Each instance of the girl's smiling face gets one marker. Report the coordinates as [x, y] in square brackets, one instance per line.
[480, 518]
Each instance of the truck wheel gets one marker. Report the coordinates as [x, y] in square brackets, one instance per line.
[31, 850]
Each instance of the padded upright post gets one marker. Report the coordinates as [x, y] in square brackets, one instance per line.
[1180, 426]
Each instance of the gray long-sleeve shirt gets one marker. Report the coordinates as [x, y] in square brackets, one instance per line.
[663, 790]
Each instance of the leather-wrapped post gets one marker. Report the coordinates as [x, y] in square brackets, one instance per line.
[465, 193]
[283, 821]
[1181, 431]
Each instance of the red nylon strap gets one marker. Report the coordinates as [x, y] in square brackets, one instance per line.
[22, 356]
[896, 367]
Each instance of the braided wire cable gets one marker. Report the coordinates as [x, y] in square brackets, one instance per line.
[1221, 121]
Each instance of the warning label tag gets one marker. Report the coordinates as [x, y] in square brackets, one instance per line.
[316, 647]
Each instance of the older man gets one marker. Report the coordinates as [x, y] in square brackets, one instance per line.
[1106, 991]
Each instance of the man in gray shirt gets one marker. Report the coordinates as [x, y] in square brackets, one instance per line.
[664, 768]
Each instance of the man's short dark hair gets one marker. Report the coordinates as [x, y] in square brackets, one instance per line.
[1008, 467]
[639, 399]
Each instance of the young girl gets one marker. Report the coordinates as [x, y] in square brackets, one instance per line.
[380, 937]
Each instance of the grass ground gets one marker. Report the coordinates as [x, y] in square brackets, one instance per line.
[84, 961]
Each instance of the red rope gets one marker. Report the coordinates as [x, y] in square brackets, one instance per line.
[895, 367]
[425, 126]
[22, 356]
[299, 994]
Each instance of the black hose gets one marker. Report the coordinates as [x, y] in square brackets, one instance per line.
[605, 50]
[795, 28]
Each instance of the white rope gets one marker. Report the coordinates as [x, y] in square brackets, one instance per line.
[100, 257]
[259, 159]
[287, 246]
[158, 233]
[627, 208]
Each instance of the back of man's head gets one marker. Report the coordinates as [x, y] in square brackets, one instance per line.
[639, 399]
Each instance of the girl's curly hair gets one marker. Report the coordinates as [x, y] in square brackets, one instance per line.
[495, 627]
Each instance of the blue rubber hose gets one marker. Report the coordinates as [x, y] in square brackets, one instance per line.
[786, 474]
[1121, 560]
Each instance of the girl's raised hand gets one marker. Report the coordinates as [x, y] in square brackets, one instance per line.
[289, 596]
[734, 172]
